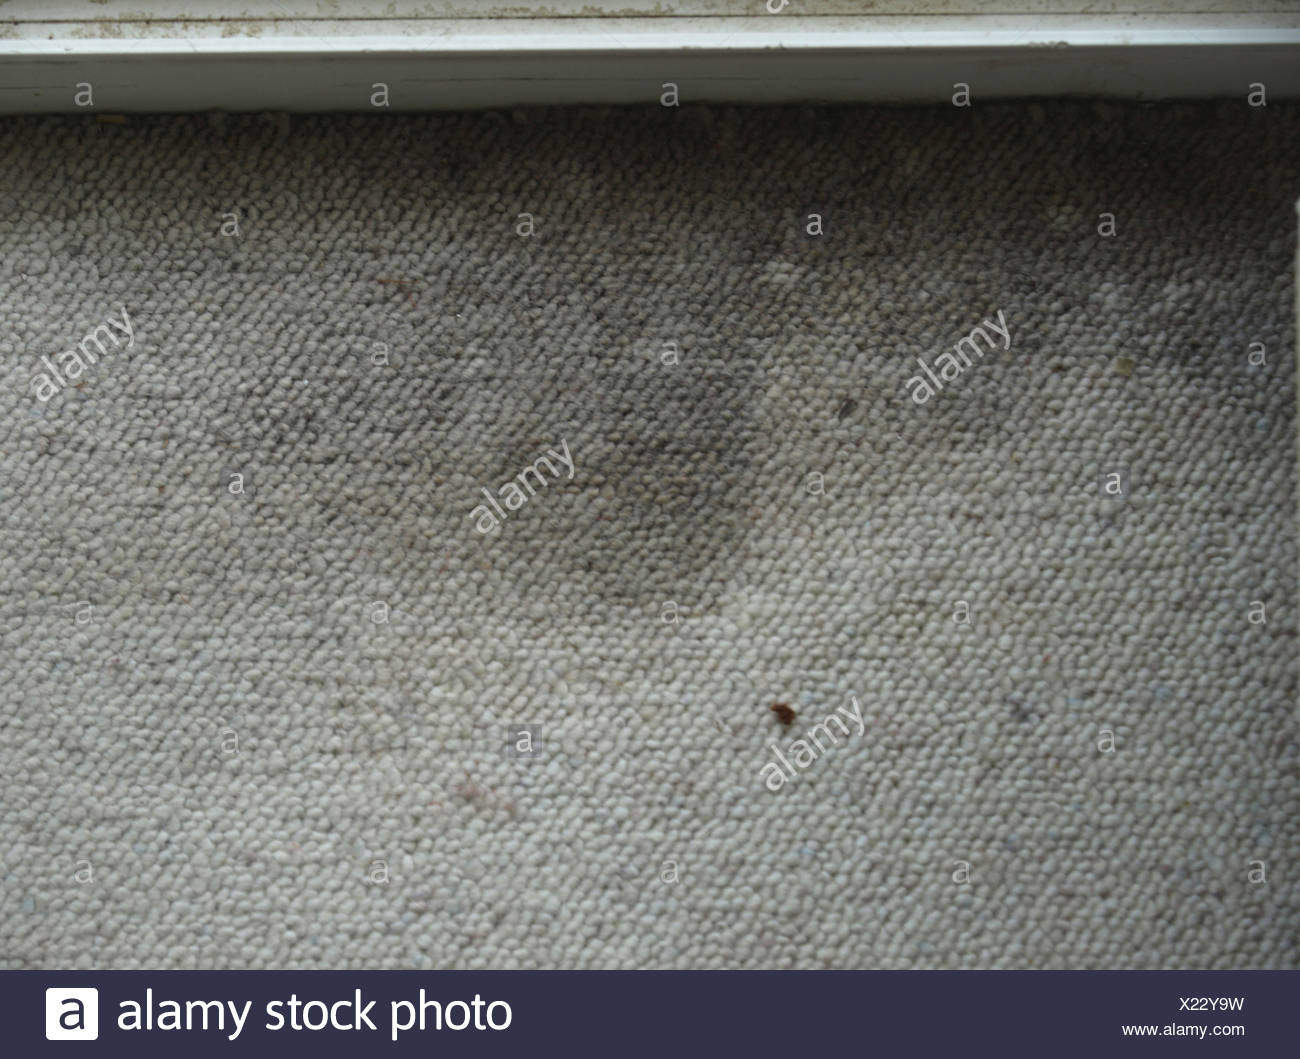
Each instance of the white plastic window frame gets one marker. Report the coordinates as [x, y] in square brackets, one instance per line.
[300, 55]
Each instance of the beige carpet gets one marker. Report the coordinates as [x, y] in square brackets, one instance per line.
[262, 678]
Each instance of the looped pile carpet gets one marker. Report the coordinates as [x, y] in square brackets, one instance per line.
[269, 697]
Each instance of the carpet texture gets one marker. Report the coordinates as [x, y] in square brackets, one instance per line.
[292, 676]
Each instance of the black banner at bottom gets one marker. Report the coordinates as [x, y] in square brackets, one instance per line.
[636, 1013]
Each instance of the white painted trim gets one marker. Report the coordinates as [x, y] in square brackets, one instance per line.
[319, 65]
[117, 11]
[661, 35]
